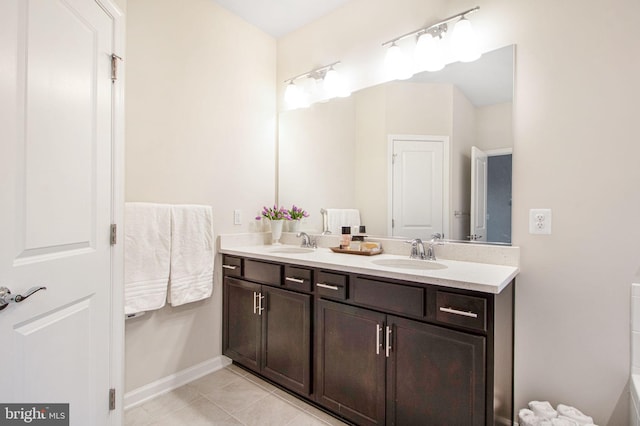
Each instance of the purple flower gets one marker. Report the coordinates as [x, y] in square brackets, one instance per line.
[281, 213]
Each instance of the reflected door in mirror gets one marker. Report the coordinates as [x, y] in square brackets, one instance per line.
[418, 199]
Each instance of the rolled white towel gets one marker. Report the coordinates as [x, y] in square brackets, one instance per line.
[528, 417]
[563, 421]
[574, 414]
[543, 409]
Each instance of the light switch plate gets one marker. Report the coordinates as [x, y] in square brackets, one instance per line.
[237, 217]
[540, 221]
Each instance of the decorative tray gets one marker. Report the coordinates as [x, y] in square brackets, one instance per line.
[361, 253]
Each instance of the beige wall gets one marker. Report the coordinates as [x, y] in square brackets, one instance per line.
[463, 138]
[200, 128]
[316, 152]
[575, 151]
[494, 126]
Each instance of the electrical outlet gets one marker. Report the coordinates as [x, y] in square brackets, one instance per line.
[237, 217]
[540, 221]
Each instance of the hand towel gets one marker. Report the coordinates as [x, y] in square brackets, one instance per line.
[147, 242]
[574, 414]
[543, 409]
[337, 218]
[191, 275]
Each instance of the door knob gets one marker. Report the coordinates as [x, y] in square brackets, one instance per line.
[6, 297]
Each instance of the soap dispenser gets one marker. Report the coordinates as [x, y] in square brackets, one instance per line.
[345, 241]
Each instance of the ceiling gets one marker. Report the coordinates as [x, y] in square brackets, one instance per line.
[280, 17]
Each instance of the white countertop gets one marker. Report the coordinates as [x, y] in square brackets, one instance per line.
[484, 277]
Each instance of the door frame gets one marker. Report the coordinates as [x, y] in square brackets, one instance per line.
[116, 344]
[446, 178]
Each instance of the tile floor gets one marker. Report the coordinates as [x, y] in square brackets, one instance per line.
[230, 396]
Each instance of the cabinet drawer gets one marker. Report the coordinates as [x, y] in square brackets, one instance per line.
[462, 310]
[231, 266]
[332, 285]
[297, 278]
[268, 273]
[395, 298]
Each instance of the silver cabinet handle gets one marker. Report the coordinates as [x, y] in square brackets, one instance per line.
[232, 267]
[378, 345]
[329, 286]
[255, 305]
[6, 297]
[457, 312]
[260, 308]
[388, 342]
[295, 280]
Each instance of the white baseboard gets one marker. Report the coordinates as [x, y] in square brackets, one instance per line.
[173, 381]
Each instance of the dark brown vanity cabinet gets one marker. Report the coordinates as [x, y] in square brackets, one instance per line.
[380, 351]
[389, 353]
[266, 328]
[350, 369]
[376, 369]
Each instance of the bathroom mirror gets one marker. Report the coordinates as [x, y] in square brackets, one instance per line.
[339, 154]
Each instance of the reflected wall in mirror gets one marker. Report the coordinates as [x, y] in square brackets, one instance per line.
[338, 154]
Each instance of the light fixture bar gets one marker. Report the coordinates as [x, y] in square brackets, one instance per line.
[316, 73]
[431, 27]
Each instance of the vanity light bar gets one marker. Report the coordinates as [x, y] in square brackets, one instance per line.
[317, 73]
[435, 29]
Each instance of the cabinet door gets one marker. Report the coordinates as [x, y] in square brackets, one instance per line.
[286, 338]
[241, 330]
[350, 374]
[435, 376]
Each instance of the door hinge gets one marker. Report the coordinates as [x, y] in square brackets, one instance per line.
[114, 66]
[114, 234]
[112, 399]
[393, 223]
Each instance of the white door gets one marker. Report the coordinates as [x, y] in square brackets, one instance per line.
[418, 188]
[478, 195]
[55, 204]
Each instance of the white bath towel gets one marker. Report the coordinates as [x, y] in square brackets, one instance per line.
[574, 414]
[527, 417]
[563, 421]
[543, 409]
[337, 218]
[191, 276]
[147, 242]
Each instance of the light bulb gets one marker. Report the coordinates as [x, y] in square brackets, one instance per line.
[428, 53]
[291, 95]
[465, 43]
[295, 97]
[334, 85]
[397, 64]
[331, 83]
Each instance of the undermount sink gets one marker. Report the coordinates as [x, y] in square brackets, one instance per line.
[291, 250]
[409, 264]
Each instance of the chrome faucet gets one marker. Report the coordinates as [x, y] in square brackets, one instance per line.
[436, 240]
[307, 242]
[417, 249]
